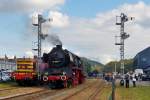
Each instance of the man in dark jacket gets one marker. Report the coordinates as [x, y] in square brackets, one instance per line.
[127, 80]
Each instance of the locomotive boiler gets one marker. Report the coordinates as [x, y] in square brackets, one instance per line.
[62, 68]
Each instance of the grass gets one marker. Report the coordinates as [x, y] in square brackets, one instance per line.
[7, 84]
[133, 93]
[105, 93]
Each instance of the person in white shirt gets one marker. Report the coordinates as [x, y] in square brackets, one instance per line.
[134, 81]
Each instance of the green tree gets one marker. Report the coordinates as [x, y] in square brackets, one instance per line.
[110, 67]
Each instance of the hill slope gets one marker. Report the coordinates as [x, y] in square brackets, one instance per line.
[91, 65]
[110, 67]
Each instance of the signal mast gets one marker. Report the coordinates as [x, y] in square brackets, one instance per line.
[120, 20]
[38, 21]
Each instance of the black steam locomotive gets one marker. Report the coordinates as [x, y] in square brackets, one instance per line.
[62, 68]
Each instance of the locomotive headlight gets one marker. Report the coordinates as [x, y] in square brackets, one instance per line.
[45, 78]
[63, 78]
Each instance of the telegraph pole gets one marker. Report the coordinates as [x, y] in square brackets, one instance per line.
[120, 20]
[38, 22]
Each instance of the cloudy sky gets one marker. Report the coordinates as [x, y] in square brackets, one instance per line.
[85, 27]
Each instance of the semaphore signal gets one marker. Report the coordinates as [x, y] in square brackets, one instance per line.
[120, 20]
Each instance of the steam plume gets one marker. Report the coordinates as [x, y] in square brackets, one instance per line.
[54, 39]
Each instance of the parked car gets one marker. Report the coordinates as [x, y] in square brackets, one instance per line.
[146, 77]
[4, 76]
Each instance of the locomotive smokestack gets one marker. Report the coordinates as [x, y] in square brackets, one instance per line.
[59, 46]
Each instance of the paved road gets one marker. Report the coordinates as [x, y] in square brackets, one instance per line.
[139, 83]
[143, 83]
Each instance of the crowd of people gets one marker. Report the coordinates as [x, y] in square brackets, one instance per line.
[126, 80]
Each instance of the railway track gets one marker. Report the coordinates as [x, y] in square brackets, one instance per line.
[18, 96]
[97, 91]
[60, 94]
[88, 87]
[15, 92]
[37, 95]
[25, 96]
[4, 89]
[68, 97]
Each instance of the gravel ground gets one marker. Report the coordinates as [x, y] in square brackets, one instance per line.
[18, 91]
[91, 86]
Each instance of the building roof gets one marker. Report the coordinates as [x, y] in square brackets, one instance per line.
[142, 59]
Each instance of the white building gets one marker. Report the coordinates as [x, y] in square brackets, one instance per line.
[7, 64]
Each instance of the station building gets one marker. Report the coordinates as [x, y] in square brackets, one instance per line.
[7, 64]
[142, 60]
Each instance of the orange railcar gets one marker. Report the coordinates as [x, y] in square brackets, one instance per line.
[26, 71]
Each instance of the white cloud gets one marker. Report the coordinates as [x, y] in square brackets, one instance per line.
[58, 19]
[94, 37]
[29, 5]
[107, 58]
[29, 54]
[46, 49]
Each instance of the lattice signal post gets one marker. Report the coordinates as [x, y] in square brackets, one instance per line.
[37, 21]
[120, 20]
